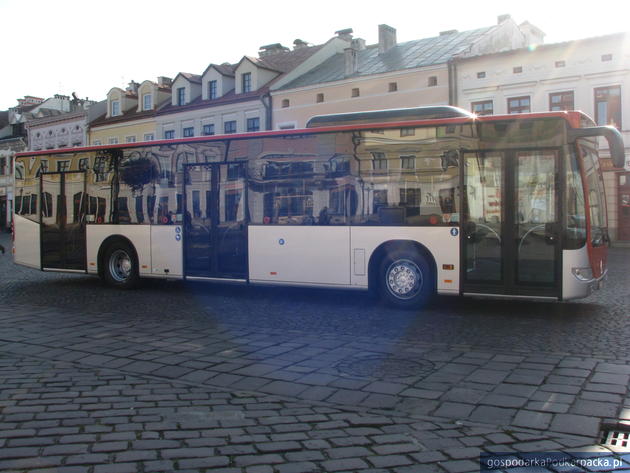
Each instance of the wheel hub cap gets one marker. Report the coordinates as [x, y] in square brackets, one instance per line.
[404, 279]
[120, 265]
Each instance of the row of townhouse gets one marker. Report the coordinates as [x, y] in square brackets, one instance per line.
[503, 68]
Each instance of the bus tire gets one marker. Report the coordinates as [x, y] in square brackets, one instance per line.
[120, 265]
[405, 279]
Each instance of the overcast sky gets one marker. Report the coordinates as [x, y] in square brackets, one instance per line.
[88, 47]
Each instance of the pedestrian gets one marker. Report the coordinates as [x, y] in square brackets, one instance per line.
[2, 249]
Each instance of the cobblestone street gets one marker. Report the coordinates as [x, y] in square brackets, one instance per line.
[192, 377]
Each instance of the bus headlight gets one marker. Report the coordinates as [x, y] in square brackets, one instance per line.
[583, 274]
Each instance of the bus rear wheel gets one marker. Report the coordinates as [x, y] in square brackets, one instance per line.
[120, 265]
[405, 280]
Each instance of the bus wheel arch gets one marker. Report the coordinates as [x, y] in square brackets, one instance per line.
[118, 263]
[413, 263]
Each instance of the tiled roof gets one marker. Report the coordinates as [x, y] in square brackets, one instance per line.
[230, 97]
[191, 77]
[408, 55]
[285, 61]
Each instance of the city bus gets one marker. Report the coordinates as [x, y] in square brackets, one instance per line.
[406, 203]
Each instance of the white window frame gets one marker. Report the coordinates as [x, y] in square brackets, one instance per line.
[115, 111]
[147, 98]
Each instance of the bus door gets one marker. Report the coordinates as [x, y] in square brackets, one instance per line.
[215, 221]
[62, 200]
[511, 223]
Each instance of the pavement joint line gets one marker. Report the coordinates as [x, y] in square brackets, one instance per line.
[361, 410]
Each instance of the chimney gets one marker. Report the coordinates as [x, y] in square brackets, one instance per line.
[299, 44]
[271, 49]
[164, 81]
[448, 32]
[502, 18]
[346, 34]
[351, 59]
[386, 38]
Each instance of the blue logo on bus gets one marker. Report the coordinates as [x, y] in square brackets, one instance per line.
[281, 241]
[178, 229]
[454, 231]
[178, 237]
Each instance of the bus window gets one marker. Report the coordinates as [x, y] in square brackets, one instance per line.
[408, 176]
[575, 224]
[595, 188]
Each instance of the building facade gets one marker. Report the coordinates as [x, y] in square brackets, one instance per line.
[235, 98]
[388, 74]
[591, 75]
[130, 113]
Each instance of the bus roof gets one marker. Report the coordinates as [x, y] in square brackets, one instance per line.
[396, 118]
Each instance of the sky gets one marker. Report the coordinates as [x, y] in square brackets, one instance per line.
[88, 46]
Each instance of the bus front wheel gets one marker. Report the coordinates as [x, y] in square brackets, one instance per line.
[406, 280]
[120, 265]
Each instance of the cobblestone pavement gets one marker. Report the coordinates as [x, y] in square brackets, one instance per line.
[176, 377]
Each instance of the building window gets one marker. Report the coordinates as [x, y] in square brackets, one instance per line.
[407, 132]
[181, 96]
[285, 103]
[147, 102]
[130, 139]
[561, 101]
[189, 132]
[208, 130]
[319, 98]
[481, 75]
[355, 92]
[433, 81]
[247, 82]
[608, 106]
[83, 164]
[253, 124]
[3, 166]
[63, 166]
[517, 69]
[607, 57]
[485, 107]
[379, 163]
[408, 162]
[229, 127]
[559, 64]
[393, 86]
[115, 108]
[112, 141]
[96, 142]
[519, 105]
[149, 137]
[169, 134]
[212, 89]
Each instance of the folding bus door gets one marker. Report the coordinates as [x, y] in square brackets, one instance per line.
[62, 216]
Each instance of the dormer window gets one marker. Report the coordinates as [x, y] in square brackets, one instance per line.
[115, 108]
[212, 89]
[247, 82]
[181, 96]
[147, 102]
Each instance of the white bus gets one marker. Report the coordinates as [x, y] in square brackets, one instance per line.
[408, 202]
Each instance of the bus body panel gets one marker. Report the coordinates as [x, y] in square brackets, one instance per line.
[167, 251]
[138, 235]
[572, 286]
[299, 254]
[442, 242]
[27, 248]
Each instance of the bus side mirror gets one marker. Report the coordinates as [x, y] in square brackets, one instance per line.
[612, 135]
